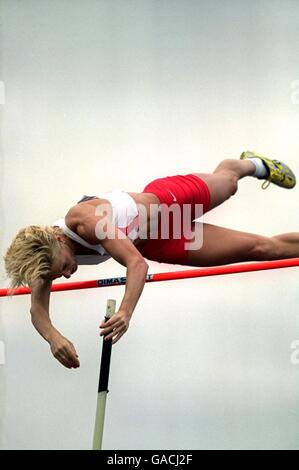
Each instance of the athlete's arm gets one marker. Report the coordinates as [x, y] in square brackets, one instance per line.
[62, 349]
[123, 251]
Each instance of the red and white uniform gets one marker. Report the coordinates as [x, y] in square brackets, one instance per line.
[124, 216]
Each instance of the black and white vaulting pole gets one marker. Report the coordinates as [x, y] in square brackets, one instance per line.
[103, 383]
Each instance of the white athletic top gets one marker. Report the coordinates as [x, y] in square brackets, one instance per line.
[124, 216]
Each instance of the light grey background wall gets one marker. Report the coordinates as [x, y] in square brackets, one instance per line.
[113, 93]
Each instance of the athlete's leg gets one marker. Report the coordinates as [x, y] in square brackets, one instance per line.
[223, 183]
[225, 246]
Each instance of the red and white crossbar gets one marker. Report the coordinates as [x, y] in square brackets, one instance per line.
[167, 276]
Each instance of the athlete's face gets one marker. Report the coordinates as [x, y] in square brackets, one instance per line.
[64, 263]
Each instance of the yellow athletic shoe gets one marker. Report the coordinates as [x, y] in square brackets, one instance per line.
[279, 173]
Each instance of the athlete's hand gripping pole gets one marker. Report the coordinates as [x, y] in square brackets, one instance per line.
[103, 383]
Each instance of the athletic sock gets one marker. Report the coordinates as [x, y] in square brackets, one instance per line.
[261, 170]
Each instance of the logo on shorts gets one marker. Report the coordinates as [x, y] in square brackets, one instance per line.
[174, 198]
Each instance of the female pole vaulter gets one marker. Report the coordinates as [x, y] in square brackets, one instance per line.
[91, 234]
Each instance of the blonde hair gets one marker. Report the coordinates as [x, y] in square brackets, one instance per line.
[30, 255]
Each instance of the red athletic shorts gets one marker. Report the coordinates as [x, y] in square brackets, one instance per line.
[180, 189]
